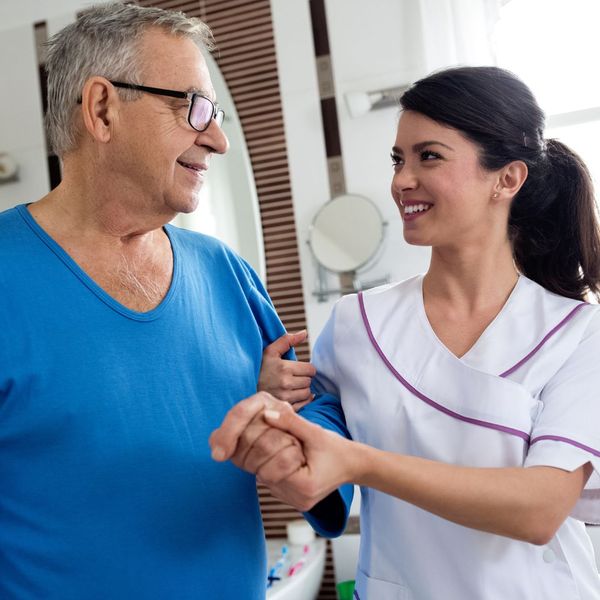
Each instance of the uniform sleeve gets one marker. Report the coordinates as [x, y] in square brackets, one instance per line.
[329, 517]
[566, 433]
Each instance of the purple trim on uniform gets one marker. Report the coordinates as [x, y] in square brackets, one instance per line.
[356, 595]
[522, 434]
[558, 438]
[544, 340]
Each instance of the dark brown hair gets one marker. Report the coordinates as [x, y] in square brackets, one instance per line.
[553, 222]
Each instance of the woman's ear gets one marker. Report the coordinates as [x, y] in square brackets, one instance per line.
[98, 101]
[511, 178]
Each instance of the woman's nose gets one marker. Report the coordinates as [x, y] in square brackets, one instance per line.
[404, 179]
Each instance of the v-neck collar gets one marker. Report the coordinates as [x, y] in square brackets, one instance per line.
[92, 285]
[498, 385]
[528, 315]
[485, 334]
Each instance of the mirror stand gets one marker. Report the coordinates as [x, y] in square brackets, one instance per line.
[349, 283]
[345, 237]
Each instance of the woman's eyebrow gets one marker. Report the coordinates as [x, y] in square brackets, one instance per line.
[421, 145]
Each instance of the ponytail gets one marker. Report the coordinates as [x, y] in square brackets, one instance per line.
[553, 221]
[553, 225]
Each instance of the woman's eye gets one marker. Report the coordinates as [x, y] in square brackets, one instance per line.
[396, 160]
[430, 155]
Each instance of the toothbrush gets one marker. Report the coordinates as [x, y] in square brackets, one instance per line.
[300, 563]
[274, 570]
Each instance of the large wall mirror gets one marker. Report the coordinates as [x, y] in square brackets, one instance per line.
[228, 207]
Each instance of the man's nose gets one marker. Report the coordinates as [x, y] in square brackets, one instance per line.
[214, 137]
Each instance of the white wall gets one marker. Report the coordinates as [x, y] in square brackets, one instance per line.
[21, 126]
[25, 12]
[21, 130]
[373, 46]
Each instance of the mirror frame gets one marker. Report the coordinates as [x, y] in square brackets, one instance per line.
[375, 251]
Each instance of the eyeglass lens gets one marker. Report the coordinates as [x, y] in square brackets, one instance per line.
[202, 113]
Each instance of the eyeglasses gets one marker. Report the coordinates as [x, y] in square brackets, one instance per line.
[202, 109]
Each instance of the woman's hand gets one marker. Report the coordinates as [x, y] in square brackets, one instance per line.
[300, 462]
[305, 463]
[253, 445]
[524, 503]
[330, 461]
[288, 380]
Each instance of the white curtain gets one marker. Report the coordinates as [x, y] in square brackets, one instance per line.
[457, 32]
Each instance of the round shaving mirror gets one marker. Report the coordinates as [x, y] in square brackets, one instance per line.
[346, 233]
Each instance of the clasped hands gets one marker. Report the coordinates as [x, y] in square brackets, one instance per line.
[300, 462]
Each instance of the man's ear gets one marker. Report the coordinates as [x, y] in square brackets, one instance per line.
[98, 108]
[511, 178]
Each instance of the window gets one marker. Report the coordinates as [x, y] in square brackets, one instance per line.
[554, 48]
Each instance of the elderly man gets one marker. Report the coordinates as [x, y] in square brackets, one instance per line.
[124, 340]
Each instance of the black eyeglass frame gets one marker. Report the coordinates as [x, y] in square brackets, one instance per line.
[218, 114]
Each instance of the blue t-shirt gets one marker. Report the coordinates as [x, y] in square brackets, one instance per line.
[107, 488]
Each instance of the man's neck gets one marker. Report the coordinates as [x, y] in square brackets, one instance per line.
[132, 261]
[97, 215]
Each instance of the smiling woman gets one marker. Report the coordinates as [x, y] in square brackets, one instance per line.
[441, 188]
[461, 435]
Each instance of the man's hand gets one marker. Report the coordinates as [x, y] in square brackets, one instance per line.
[251, 444]
[287, 380]
[331, 460]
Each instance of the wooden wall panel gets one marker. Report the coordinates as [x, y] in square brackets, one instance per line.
[245, 53]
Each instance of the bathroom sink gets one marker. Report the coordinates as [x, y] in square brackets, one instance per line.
[301, 572]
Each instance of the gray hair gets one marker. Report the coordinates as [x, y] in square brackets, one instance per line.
[103, 41]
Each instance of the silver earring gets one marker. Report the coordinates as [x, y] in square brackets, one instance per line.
[496, 194]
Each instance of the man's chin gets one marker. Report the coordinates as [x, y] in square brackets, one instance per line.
[188, 205]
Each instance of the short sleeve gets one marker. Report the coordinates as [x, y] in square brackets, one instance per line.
[262, 307]
[324, 360]
[566, 432]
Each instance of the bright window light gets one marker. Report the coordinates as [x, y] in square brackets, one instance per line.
[554, 46]
[203, 219]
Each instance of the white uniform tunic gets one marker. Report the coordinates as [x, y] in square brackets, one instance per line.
[527, 393]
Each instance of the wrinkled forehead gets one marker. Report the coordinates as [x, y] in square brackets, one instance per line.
[174, 62]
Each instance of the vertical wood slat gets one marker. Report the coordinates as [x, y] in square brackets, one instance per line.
[243, 31]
